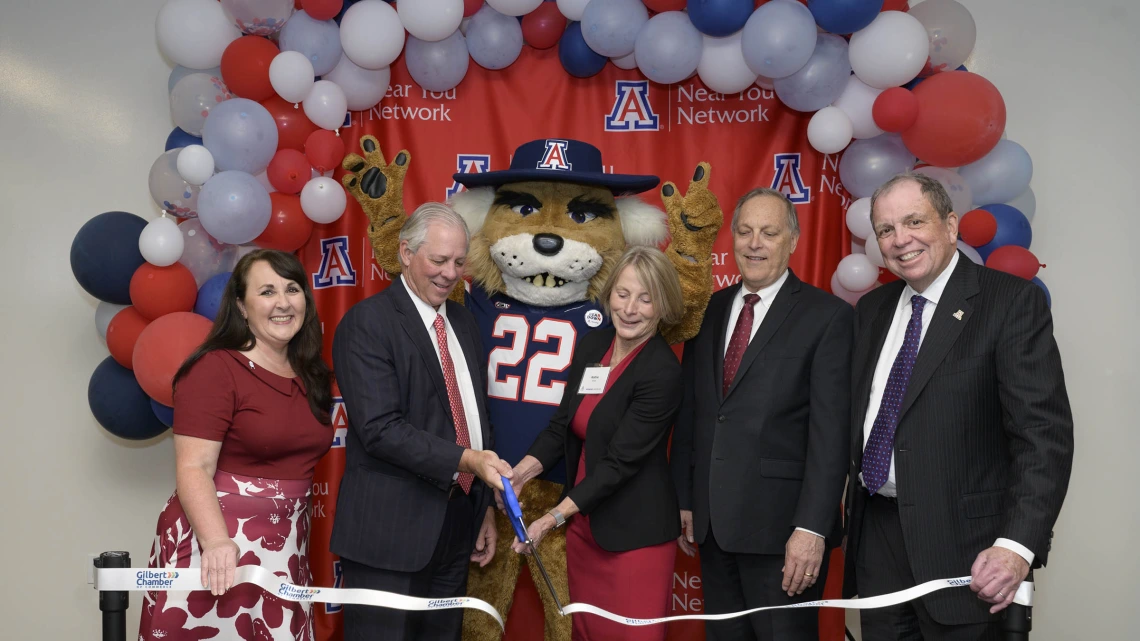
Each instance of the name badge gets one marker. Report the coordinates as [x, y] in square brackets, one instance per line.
[594, 380]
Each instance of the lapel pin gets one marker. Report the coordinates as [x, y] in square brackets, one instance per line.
[958, 314]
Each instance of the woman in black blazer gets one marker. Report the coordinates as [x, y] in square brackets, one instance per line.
[612, 426]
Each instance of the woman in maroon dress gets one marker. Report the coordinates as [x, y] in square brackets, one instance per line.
[251, 420]
[612, 426]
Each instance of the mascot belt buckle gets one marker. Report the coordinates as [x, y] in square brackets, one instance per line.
[514, 513]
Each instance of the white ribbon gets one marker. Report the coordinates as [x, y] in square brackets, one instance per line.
[190, 579]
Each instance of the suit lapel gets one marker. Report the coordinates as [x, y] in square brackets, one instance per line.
[870, 347]
[414, 327]
[589, 358]
[785, 301]
[718, 358]
[945, 327]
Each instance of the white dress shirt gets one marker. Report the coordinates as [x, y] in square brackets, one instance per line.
[891, 346]
[462, 373]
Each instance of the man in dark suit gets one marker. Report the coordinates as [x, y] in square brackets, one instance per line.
[962, 437]
[761, 442]
[414, 505]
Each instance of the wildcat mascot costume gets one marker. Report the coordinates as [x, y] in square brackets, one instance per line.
[545, 235]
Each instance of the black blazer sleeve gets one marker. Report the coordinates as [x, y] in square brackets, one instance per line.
[550, 444]
[681, 454]
[368, 376]
[656, 400]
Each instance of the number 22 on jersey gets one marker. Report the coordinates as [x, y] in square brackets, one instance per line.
[524, 344]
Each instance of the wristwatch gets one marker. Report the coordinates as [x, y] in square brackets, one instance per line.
[559, 520]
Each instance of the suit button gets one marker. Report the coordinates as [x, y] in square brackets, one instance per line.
[720, 419]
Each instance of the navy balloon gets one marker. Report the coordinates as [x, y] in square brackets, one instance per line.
[210, 295]
[120, 405]
[844, 16]
[162, 413]
[1048, 296]
[179, 138]
[105, 254]
[577, 57]
[1012, 229]
[719, 18]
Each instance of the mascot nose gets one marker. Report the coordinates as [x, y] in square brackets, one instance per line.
[547, 244]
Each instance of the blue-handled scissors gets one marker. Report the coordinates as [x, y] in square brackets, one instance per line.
[514, 513]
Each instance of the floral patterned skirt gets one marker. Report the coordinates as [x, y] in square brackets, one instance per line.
[269, 521]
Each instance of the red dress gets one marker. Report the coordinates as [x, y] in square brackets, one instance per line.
[637, 583]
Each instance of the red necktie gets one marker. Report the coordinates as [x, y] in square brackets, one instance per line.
[461, 435]
[739, 341]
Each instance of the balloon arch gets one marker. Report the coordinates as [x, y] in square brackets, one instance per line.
[884, 81]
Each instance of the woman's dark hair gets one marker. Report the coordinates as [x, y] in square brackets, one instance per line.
[231, 331]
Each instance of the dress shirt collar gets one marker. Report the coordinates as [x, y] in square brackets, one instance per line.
[427, 312]
[767, 294]
[934, 292]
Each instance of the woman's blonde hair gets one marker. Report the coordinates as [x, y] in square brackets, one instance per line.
[657, 275]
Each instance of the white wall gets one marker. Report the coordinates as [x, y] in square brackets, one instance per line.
[83, 114]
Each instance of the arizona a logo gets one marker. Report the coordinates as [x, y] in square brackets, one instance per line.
[632, 111]
[555, 156]
[336, 267]
[788, 180]
[468, 164]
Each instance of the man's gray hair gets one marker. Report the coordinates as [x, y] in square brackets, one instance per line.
[932, 190]
[789, 209]
[416, 229]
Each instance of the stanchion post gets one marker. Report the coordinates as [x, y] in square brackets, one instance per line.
[114, 604]
[1017, 620]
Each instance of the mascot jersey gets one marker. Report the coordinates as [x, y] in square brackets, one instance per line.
[528, 350]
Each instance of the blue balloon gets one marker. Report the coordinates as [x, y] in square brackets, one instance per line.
[493, 39]
[821, 81]
[719, 18]
[844, 16]
[1012, 229]
[577, 57]
[1048, 296]
[105, 254]
[120, 404]
[437, 66]
[318, 40]
[210, 295]
[241, 134]
[778, 39]
[178, 139]
[162, 413]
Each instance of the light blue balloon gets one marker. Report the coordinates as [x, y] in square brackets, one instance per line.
[437, 66]
[778, 39]
[179, 72]
[241, 135]
[1001, 175]
[319, 40]
[668, 48]
[870, 162]
[821, 80]
[233, 207]
[611, 27]
[493, 39]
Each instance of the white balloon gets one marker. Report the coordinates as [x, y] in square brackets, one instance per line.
[1026, 203]
[326, 105]
[323, 200]
[851, 297]
[104, 313]
[371, 34]
[363, 88]
[572, 9]
[291, 75]
[857, 272]
[625, 62]
[856, 101]
[829, 130]
[516, 7]
[890, 51]
[722, 67]
[194, 33]
[431, 20]
[971, 253]
[161, 242]
[875, 253]
[859, 218]
[195, 164]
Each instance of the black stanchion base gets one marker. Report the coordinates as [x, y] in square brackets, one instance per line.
[114, 605]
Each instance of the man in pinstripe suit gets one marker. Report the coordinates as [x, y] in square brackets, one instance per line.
[962, 435]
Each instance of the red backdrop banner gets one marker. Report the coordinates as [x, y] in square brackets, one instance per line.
[749, 138]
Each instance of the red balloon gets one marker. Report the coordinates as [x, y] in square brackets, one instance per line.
[122, 334]
[322, 9]
[289, 228]
[895, 109]
[961, 117]
[895, 5]
[1016, 260]
[245, 67]
[293, 127]
[161, 349]
[470, 7]
[158, 291]
[324, 150]
[665, 5]
[543, 27]
[289, 171]
[977, 227]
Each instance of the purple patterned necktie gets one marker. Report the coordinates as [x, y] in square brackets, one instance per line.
[881, 444]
